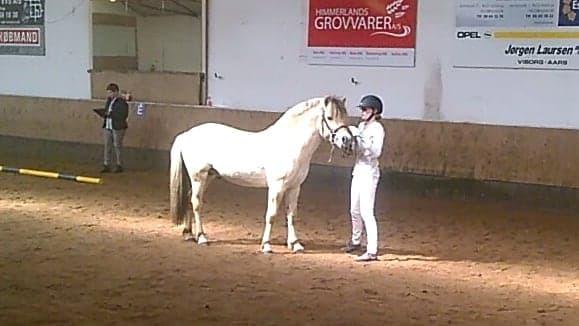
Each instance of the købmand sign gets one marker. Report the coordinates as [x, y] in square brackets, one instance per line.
[22, 27]
[20, 37]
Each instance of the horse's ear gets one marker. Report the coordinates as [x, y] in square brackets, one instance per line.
[343, 100]
[327, 100]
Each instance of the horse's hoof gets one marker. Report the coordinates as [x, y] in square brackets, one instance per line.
[266, 249]
[188, 237]
[202, 240]
[298, 248]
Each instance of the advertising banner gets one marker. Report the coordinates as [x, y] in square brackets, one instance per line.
[362, 32]
[22, 27]
[517, 34]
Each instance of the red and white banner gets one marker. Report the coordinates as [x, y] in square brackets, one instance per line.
[362, 32]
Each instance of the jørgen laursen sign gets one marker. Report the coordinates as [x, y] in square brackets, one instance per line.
[365, 33]
[517, 34]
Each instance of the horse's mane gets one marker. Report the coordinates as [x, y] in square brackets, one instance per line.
[337, 105]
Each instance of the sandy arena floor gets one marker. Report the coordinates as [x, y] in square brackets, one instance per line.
[83, 254]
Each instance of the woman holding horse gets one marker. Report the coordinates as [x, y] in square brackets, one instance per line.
[365, 176]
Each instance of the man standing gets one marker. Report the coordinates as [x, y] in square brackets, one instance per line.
[114, 127]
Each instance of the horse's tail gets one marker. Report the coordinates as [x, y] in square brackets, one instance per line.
[178, 182]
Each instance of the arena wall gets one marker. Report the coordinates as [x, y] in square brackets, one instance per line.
[526, 155]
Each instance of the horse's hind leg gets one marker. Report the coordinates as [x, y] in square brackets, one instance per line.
[198, 186]
[188, 228]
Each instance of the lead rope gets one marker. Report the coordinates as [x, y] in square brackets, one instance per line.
[331, 144]
[355, 149]
[331, 153]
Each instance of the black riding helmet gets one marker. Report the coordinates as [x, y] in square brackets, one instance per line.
[372, 101]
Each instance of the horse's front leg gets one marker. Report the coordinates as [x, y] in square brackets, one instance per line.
[291, 200]
[274, 198]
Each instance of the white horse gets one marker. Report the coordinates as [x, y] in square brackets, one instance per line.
[277, 157]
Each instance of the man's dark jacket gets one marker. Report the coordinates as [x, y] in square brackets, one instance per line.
[119, 113]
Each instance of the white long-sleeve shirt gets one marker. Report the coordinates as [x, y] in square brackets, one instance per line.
[109, 120]
[370, 142]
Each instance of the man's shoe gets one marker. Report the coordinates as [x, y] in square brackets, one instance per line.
[119, 169]
[366, 257]
[106, 169]
[351, 247]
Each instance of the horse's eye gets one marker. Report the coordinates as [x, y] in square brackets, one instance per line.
[330, 118]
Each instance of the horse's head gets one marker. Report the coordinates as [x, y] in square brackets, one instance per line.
[334, 124]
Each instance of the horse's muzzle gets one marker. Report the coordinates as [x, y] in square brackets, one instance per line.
[348, 144]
